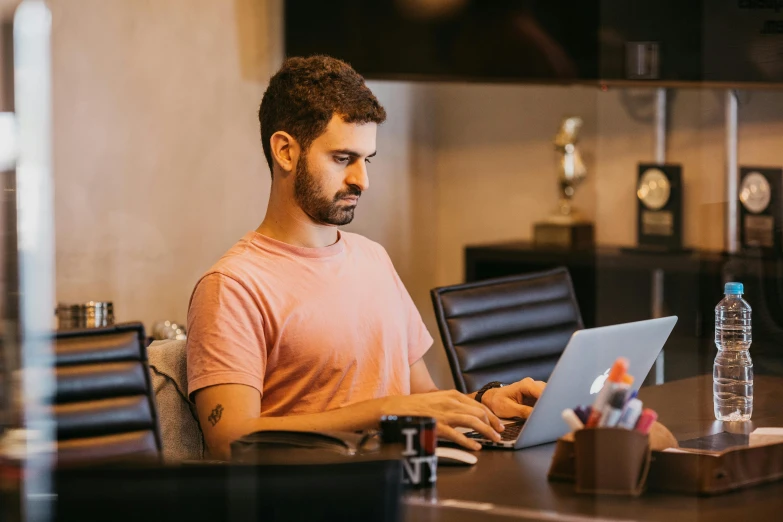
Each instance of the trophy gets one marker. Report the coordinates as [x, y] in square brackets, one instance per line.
[659, 218]
[566, 227]
[761, 209]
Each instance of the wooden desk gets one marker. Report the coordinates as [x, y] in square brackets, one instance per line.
[512, 485]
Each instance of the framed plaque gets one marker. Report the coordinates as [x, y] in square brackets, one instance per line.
[659, 201]
[761, 208]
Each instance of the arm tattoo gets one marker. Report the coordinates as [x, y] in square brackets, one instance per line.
[214, 417]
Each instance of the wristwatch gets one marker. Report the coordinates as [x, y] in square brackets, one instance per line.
[488, 386]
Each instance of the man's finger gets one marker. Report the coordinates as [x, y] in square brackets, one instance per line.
[469, 421]
[490, 413]
[493, 419]
[447, 432]
[519, 410]
[486, 415]
[529, 387]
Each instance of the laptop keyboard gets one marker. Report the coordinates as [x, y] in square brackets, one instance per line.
[509, 434]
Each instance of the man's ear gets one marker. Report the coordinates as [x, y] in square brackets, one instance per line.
[285, 150]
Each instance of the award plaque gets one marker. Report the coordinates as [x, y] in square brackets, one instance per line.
[659, 196]
[566, 227]
[761, 208]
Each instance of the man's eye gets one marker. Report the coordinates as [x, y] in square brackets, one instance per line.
[341, 159]
[367, 160]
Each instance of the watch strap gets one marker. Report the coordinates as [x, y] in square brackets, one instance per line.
[487, 387]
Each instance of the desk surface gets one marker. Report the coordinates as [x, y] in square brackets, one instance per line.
[512, 485]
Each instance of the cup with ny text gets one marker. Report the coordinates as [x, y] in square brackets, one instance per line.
[417, 439]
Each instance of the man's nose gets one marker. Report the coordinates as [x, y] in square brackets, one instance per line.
[357, 175]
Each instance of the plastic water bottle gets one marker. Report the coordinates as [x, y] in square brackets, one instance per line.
[732, 374]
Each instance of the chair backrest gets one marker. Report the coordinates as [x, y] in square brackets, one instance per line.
[508, 328]
[104, 409]
[179, 427]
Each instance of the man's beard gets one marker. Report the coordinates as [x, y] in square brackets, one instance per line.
[315, 204]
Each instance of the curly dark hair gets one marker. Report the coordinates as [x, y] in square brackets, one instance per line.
[305, 93]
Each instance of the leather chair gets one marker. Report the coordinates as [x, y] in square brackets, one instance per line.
[506, 329]
[104, 408]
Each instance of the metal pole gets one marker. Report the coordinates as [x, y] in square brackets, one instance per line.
[732, 176]
[656, 305]
[660, 125]
[657, 311]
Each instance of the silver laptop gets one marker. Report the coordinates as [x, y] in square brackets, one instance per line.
[579, 375]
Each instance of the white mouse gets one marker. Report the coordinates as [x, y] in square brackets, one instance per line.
[454, 457]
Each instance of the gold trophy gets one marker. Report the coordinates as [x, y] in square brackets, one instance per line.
[566, 227]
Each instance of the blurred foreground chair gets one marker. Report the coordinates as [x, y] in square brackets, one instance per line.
[103, 406]
[180, 430]
[506, 329]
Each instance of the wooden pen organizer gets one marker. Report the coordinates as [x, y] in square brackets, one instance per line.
[611, 461]
[617, 461]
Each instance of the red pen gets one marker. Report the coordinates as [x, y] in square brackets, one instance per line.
[646, 420]
[593, 419]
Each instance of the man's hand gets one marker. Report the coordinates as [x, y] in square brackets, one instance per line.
[450, 409]
[514, 400]
[229, 411]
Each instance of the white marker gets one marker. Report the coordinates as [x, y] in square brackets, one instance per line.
[572, 419]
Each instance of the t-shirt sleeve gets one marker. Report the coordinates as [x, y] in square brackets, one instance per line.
[226, 342]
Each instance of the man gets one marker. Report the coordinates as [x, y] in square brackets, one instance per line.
[300, 326]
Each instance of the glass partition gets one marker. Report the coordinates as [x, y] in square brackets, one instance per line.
[650, 180]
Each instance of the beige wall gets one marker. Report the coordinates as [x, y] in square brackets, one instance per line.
[157, 160]
[496, 165]
[159, 169]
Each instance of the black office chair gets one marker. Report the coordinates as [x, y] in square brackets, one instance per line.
[506, 329]
[104, 406]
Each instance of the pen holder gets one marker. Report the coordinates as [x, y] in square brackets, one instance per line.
[603, 461]
[611, 460]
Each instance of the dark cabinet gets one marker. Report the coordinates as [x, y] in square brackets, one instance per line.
[742, 41]
[651, 40]
[713, 41]
[675, 42]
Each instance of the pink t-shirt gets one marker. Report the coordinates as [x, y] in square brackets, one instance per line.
[311, 329]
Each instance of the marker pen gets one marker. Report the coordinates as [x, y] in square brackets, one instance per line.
[619, 368]
[631, 413]
[613, 409]
[646, 420]
[583, 413]
[627, 385]
[572, 419]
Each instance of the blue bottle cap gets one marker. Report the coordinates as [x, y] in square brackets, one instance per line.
[734, 289]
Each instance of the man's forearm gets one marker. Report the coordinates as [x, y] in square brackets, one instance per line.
[359, 416]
